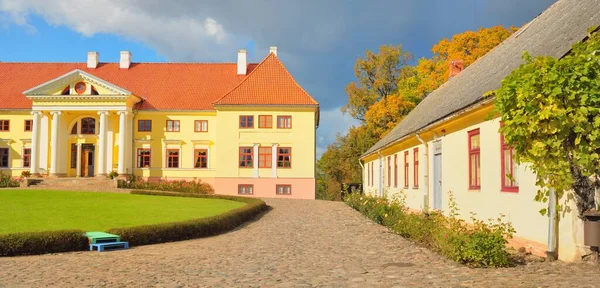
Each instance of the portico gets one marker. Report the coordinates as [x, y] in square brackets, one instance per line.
[87, 117]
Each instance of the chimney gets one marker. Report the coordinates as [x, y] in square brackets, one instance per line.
[273, 49]
[242, 63]
[455, 67]
[92, 60]
[125, 61]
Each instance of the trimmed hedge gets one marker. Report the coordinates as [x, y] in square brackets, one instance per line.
[34, 243]
[190, 229]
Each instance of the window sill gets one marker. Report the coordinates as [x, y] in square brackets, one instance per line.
[416, 188]
[510, 189]
[475, 188]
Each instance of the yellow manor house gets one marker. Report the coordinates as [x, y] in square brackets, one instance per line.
[245, 128]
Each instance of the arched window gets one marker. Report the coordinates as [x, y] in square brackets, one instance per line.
[88, 126]
[66, 91]
[74, 129]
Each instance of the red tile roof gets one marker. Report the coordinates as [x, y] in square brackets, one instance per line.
[164, 86]
[269, 84]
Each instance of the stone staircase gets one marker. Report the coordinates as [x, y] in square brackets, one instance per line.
[71, 183]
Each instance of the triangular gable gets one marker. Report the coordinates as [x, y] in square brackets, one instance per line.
[68, 78]
[268, 84]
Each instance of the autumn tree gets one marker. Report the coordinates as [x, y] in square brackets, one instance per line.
[377, 77]
[550, 109]
[467, 46]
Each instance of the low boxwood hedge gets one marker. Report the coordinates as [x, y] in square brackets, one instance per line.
[190, 229]
[34, 243]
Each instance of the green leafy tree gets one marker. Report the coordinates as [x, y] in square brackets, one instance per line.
[377, 77]
[550, 109]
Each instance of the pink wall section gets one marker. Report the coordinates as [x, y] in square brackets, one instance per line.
[303, 188]
[265, 187]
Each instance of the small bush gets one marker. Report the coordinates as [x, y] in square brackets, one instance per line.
[196, 186]
[196, 228]
[33, 243]
[25, 174]
[8, 181]
[479, 243]
[112, 174]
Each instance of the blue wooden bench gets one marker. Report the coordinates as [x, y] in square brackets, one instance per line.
[100, 246]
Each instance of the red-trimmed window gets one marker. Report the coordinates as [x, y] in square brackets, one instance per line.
[28, 125]
[405, 169]
[144, 125]
[509, 175]
[283, 189]
[474, 160]
[372, 175]
[246, 157]
[200, 158]
[265, 121]
[5, 125]
[201, 126]
[88, 126]
[284, 157]
[143, 157]
[4, 157]
[395, 170]
[26, 157]
[284, 122]
[265, 157]
[245, 189]
[389, 171]
[172, 158]
[416, 168]
[73, 156]
[172, 125]
[246, 121]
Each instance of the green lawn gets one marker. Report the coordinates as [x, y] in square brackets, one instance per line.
[45, 210]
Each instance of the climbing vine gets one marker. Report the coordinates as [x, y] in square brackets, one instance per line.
[550, 109]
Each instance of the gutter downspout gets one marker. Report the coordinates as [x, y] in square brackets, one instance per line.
[362, 174]
[552, 229]
[380, 173]
[426, 174]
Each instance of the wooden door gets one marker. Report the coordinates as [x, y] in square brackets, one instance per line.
[84, 163]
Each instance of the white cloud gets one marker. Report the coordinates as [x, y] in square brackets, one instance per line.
[180, 38]
[332, 123]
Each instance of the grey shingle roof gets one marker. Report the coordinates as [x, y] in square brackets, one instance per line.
[552, 33]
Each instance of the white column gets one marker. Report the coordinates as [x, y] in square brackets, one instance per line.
[255, 160]
[274, 159]
[78, 161]
[35, 143]
[54, 142]
[122, 137]
[102, 144]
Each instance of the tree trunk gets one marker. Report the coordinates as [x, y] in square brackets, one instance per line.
[585, 190]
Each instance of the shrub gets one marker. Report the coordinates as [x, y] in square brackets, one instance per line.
[8, 181]
[25, 174]
[479, 243]
[196, 186]
[112, 174]
[196, 228]
[32, 243]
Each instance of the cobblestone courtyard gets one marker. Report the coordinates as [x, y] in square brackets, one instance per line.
[296, 244]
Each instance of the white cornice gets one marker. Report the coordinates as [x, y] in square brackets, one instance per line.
[69, 77]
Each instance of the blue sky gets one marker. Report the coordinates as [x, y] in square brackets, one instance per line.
[318, 41]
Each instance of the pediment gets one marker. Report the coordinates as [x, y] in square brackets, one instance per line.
[77, 83]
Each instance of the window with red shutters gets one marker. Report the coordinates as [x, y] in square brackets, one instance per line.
[265, 157]
[508, 168]
[265, 121]
[416, 168]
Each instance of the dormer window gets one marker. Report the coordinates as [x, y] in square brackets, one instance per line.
[66, 91]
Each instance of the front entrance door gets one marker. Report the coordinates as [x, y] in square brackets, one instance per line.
[437, 176]
[87, 160]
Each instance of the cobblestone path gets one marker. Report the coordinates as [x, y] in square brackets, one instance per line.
[297, 244]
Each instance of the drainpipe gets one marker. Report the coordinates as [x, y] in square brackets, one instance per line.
[552, 231]
[426, 174]
[380, 173]
[362, 173]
